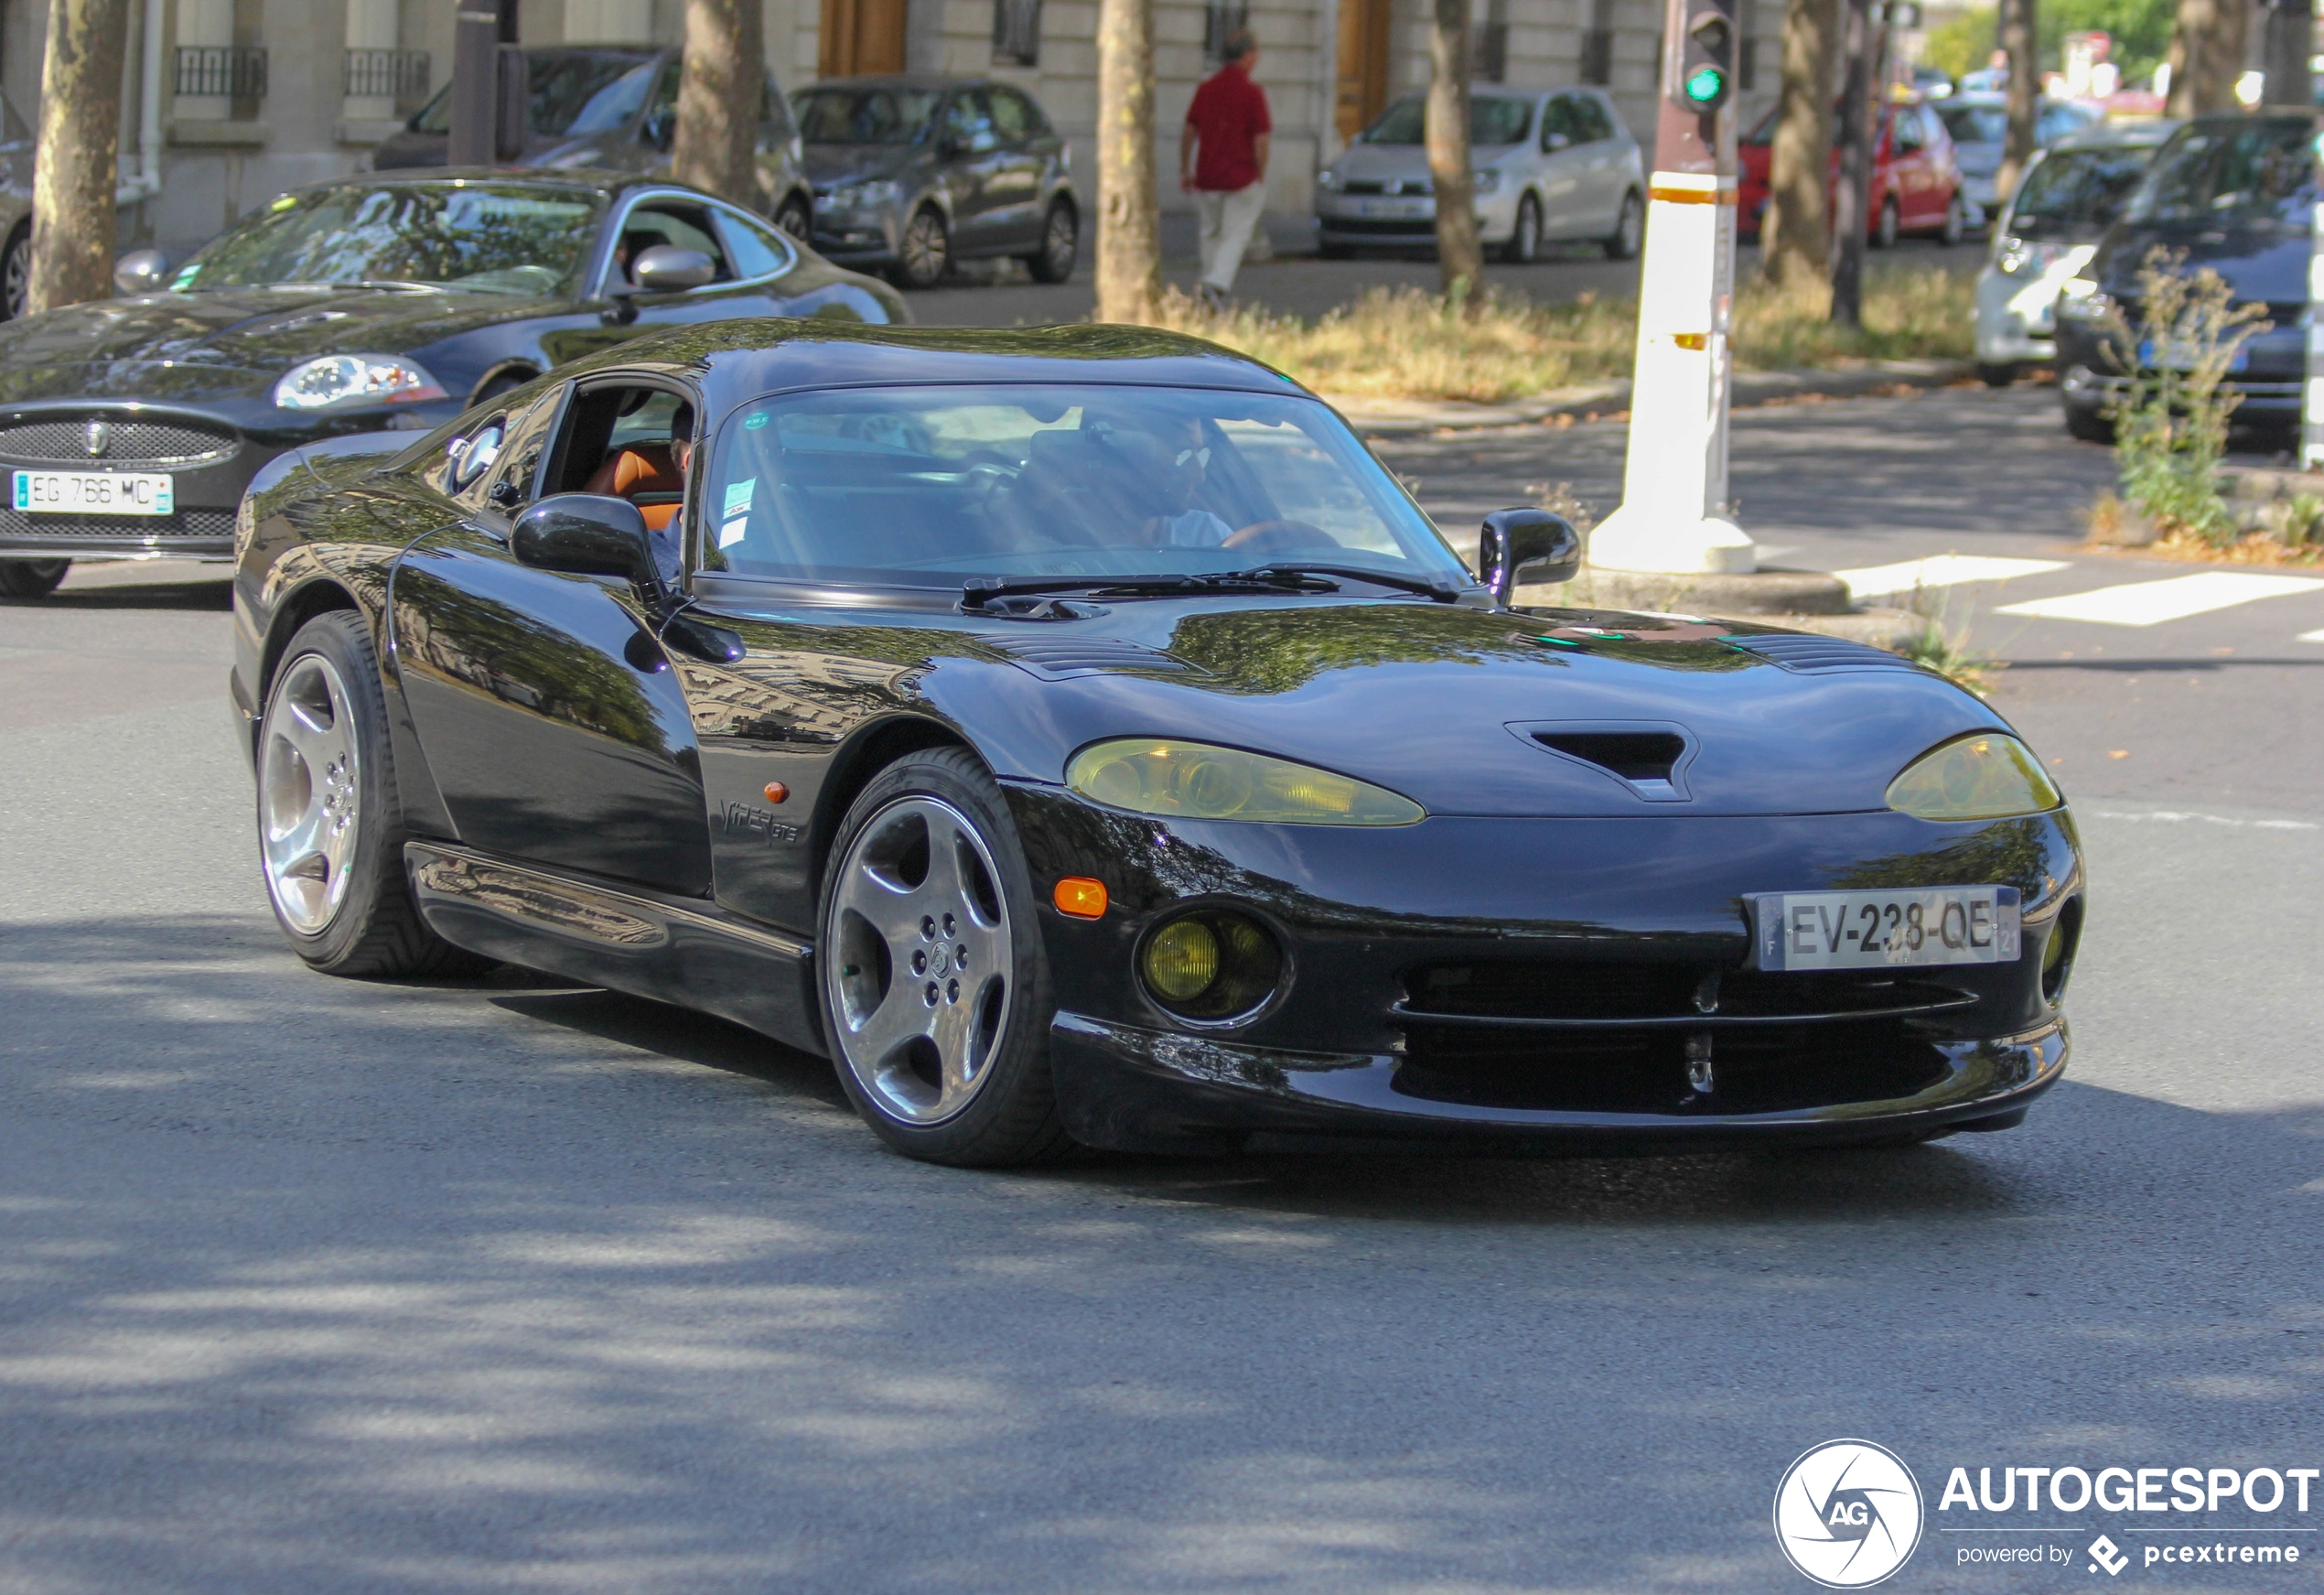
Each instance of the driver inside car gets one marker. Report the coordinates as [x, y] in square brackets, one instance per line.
[1167, 465]
[635, 469]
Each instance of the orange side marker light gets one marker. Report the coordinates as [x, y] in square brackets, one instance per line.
[777, 792]
[1078, 897]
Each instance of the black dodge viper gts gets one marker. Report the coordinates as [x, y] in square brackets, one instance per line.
[129, 427]
[1080, 738]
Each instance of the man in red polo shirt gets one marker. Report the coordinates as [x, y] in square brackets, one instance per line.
[1222, 161]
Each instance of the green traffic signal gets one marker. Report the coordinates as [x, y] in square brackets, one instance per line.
[1706, 85]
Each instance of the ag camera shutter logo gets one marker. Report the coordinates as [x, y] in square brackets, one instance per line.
[1848, 1514]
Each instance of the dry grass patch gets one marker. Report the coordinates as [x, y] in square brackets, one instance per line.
[1402, 343]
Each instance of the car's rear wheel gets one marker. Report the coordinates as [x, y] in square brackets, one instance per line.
[1885, 231]
[1335, 252]
[1997, 376]
[1630, 229]
[16, 271]
[331, 831]
[2089, 423]
[1525, 245]
[935, 982]
[31, 579]
[795, 219]
[1060, 246]
[926, 250]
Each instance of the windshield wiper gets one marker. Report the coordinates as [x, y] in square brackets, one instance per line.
[977, 590]
[1440, 587]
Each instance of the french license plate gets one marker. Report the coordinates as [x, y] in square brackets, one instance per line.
[94, 492]
[2180, 357]
[1388, 208]
[1886, 930]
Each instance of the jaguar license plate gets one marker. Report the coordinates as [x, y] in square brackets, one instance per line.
[94, 492]
[1886, 930]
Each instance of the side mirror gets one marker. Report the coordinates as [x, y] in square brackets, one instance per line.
[667, 269]
[586, 534]
[141, 271]
[1556, 142]
[1517, 541]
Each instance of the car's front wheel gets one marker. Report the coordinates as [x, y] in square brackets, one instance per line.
[31, 579]
[926, 250]
[1060, 246]
[16, 271]
[2089, 423]
[331, 831]
[1630, 229]
[1885, 231]
[935, 982]
[1525, 245]
[1956, 221]
[1996, 376]
[795, 219]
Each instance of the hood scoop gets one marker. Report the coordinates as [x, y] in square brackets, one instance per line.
[1648, 757]
[1805, 654]
[1057, 658]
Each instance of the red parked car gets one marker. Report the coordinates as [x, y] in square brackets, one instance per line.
[1916, 184]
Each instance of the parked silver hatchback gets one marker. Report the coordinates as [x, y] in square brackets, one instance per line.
[1551, 165]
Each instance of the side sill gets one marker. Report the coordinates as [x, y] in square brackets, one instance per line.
[617, 936]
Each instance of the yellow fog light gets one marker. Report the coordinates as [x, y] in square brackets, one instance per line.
[1182, 960]
[1211, 963]
[1989, 776]
[1194, 780]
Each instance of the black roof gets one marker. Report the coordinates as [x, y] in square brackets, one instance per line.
[574, 179]
[901, 80]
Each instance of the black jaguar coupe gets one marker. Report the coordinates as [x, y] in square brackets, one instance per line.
[129, 427]
[1079, 737]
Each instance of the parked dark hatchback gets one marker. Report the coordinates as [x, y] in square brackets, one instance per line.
[913, 173]
[129, 427]
[2235, 194]
[613, 108]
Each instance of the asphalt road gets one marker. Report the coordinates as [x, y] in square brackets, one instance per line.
[317, 1285]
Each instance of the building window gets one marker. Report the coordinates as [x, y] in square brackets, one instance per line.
[1747, 48]
[233, 70]
[1489, 55]
[1221, 20]
[1016, 33]
[401, 75]
[1597, 56]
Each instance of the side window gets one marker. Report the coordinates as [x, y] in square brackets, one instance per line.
[681, 226]
[758, 249]
[470, 459]
[519, 470]
[1009, 118]
[1599, 120]
[661, 125]
[1562, 119]
[775, 126]
[968, 122]
[1909, 138]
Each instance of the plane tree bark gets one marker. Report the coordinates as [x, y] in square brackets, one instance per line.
[1460, 254]
[1796, 233]
[722, 89]
[75, 164]
[1129, 221]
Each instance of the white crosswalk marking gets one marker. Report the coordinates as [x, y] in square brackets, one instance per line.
[2316, 636]
[1942, 570]
[2147, 603]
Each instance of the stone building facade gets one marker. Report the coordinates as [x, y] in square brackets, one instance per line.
[227, 103]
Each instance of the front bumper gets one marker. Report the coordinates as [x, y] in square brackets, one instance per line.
[2017, 317]
[1355, 218]
[857, 238]
[2271, 383]
[1369, 1037]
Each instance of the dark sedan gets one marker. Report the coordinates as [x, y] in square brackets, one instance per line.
[1077, 736]
[2234, 194]
[914, 173]
[130, 427]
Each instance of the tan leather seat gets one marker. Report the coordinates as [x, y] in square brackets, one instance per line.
[634, 472]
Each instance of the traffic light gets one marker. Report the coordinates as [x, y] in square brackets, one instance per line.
[1706, 60]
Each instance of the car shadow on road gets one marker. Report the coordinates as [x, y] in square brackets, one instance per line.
[199, 595]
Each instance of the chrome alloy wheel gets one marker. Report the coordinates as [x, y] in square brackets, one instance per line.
[921, 956]
[925, 248]
[307, 782]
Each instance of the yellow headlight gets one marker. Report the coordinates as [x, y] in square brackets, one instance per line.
[1989, 776]
[1192, 781]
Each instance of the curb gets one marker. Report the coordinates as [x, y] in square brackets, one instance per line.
[1407, 417]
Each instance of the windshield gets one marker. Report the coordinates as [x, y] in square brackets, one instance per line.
[2077, 187]
[929, 487]
[2223, 176]
[573, 91]
[863, 116]
[1976, 123]
[479, 237]
[1493, 119]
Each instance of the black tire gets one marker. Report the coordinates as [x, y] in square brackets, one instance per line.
[925, 251]
[1956, 221]
[1008, 1116]
[374, 928]
[506, 381]
[31, 579]
[1525, 245]
[2087, 423]
[1630, 229]
[1997, 376]
[1060, 246]
[795, 219]
[1884, 233]
[1335, 252]
[16, 271]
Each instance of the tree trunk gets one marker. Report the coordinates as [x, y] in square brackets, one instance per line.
[1854, 190]
[1460, 256]
[74, 169]
[1795, 239]
[2206, 56]
[721, 90]
[1129, 221]
[2017, 37]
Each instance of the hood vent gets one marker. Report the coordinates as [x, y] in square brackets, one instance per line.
[1056, 658]
[1649, 758]
[1811, 655]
